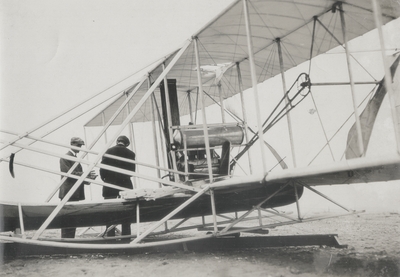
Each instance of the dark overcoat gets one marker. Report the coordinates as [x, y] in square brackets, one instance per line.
[116, 178]
[65, 166]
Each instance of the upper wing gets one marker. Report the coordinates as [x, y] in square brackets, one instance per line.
[300, 27]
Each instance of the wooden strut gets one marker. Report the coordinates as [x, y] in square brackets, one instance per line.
[72, 176]
[85, 173]
[162, 134]
[244, 113]
[203, 225]
[203, 111]
[309, 72]
[50, 131]
[20, 136]
[250, 211]
[21, 220]
[214, 212]
[388, 76]
[288, 117]
[123, 125]
[112, 168]
[150, 244]
[169, 118]
[136, 183]
[155, 141]
[327, 198]
[170, 215]
[254, 83]
[353, 93]
[89, 151]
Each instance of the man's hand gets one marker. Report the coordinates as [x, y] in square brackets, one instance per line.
[92, 175]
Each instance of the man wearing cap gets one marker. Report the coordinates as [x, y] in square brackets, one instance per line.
[79, 194]
[118, 179]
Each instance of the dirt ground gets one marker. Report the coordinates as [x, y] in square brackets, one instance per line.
[373, 250]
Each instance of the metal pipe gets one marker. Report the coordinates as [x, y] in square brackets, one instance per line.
[205, 128]
[254, 84]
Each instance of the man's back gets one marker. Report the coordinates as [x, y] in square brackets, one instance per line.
[120, 151]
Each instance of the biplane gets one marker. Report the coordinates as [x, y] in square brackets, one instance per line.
[214, 119]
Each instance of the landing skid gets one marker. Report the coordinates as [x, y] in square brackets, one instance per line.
[19, 248]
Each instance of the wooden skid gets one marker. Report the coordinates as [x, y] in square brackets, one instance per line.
[16, 249]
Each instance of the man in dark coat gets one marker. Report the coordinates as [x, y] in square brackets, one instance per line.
[79, 194]
[118, 179]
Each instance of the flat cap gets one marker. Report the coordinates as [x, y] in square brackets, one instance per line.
[124, 140]
[77, 141]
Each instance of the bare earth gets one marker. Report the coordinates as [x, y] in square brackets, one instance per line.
[373, 250]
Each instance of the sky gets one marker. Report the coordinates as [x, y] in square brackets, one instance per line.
[55, 54]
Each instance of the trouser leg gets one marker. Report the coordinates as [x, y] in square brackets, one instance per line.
[68, 233]
[126, 228]
[110, 233]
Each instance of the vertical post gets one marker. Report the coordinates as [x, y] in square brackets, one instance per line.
[87, 158]
[244, 113]
[254, 84]
[190, 106]
[185, 154]
[103, 119]
[221, 100]
[137, 218]
[163, 144]
[289, 121]
[388, 76]
[356, 115]
[214, 211]
[169, 116]
[136, 183]
[207, 142]
[21, 220]
[153, 125]
[297, 202]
